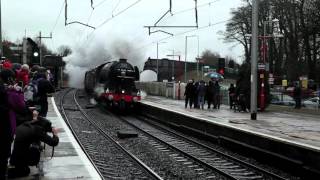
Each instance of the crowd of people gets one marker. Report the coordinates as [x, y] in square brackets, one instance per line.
[197, 93]
[23, 111]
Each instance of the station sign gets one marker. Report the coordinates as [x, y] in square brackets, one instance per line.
[304, 83]
[261, 76]
[284, 83]
[169, 84]
[271, 80]
[261, 66]
[267, 67]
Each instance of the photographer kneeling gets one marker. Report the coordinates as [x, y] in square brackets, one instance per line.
[28, 134]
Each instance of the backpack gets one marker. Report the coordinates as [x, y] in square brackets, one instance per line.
[31, 91]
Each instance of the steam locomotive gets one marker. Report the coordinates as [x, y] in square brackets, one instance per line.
[112, 84]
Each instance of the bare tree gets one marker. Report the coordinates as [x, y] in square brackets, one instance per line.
[64, 50]
[210, 58]
[299, 20]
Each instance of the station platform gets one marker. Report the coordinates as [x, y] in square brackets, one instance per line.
[286, 124]
[69, 161]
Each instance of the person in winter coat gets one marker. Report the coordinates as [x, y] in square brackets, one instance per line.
[297, 96]
[28, 133]
[7, 64]
[44, 88]
[216, 95]
[243, 96]
[201, 93]
[195, 95]
[210, 93]
[188, 93]
[5, 132]
[11, 101]
[232, 95]
[23, 75]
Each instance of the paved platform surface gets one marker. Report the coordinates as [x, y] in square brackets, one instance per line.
[69, 161]
[301, 127]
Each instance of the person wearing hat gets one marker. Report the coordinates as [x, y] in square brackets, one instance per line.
[7, 64]
[11, 101]
[188, 93]
[23, 75]
[5, 132]
[44, 89]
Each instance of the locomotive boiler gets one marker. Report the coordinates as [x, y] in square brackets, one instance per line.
[112, 84]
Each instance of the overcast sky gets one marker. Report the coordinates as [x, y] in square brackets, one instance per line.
[32, 16]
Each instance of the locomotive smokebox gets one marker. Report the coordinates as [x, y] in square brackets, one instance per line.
[122, 60]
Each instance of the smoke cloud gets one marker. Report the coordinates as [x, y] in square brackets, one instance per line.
[148, 76]
[82, 59]
[121, 48]
[88, 56]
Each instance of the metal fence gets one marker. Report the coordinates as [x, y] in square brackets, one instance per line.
[174, 90]
[286, 99]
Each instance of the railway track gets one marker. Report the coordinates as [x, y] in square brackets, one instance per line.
[110, 159]
[202, 158]
[166, 162]
[166, 153]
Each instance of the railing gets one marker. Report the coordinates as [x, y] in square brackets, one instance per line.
[173, 90]
[285, 98]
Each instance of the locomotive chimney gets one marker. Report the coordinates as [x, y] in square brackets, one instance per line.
[122, 60]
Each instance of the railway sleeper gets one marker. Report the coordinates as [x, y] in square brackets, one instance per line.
[244, 174]
[211, 177]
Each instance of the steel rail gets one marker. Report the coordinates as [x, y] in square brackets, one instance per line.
[137, 160]
[216, 151]
[178, 150]
[66, 119]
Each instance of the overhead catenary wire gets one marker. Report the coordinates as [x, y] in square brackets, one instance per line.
[56, 22]
[191, 9]
[175, 26]
[57, 19]
[182, 33]
[99, 4]
[186, 10]
[90, 35]
[94, 7]
[73, 22]
[115, 7]
[92, 4]
[89, 18]
[119, 13]
[113, 16]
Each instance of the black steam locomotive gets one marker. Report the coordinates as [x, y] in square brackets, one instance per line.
[112, 84]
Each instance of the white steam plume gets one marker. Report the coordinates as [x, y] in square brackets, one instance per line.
[82, 59]
[91, 55]
[148, 76]
[123, 49]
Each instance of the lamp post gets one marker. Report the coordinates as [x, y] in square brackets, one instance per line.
[277, 35]
[158, 58]
[173, 55]
[185, 56]
[264, 70]
[198, 58]
[254, 57]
